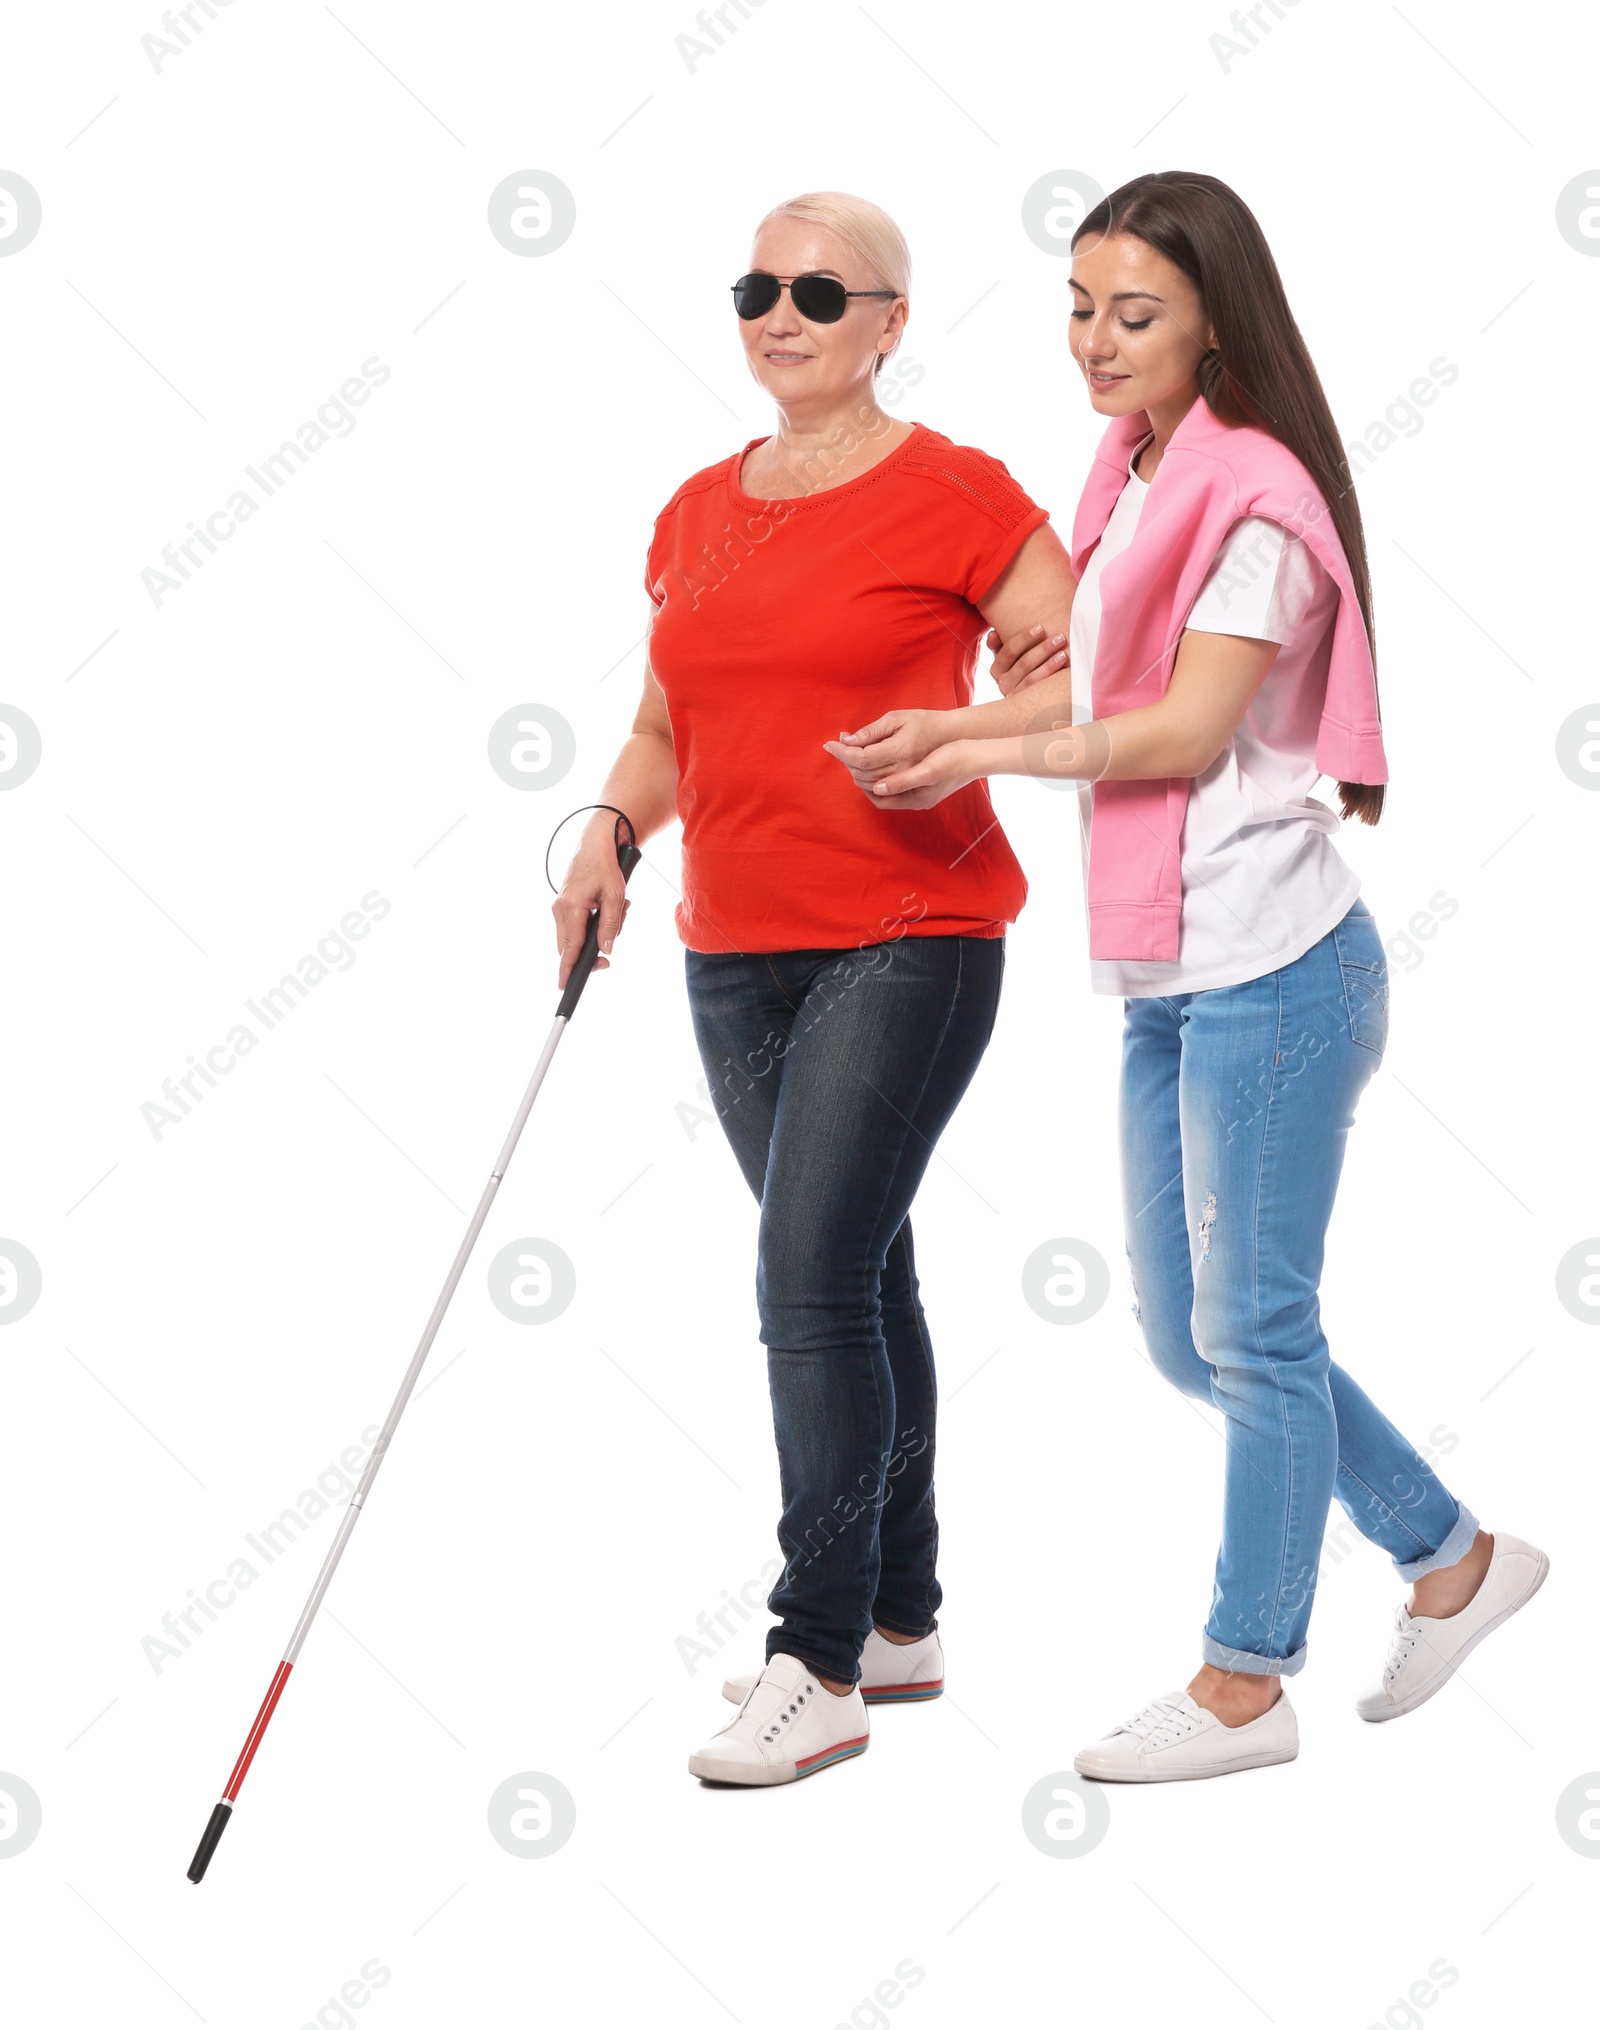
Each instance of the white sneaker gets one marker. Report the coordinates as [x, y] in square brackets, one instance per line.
[789, 1725]
[892, 1673]
[1425, 1651]
[1174, 1738]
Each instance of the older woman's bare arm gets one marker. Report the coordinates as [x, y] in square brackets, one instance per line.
[1029, 611]
[643, 782]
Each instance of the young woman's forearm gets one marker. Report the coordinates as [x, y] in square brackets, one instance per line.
[1147, 743]
[1214, 679]
[1032, 705]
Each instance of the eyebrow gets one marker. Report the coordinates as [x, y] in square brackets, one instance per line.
[1122, 295]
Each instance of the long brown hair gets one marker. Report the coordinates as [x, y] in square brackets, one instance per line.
[1260, 370]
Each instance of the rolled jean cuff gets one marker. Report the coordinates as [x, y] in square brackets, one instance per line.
[1454, 1548]
[1222, 1658]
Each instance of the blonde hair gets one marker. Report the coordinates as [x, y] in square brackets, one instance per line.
[867, 230]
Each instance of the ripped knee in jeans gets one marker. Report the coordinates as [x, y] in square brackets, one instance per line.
[1208, 1217]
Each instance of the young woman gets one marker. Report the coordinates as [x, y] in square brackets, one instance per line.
[1220, 660]
[843, 963]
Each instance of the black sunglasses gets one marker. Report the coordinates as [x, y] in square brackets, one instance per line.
[818, 298]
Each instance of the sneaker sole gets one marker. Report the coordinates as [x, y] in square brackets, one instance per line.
[1421, 1698]
[875, 1695]
[714, 1770]
[1100, 1769]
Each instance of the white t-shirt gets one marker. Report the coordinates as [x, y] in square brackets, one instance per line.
[1262, 880]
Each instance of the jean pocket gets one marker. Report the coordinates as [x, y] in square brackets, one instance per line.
[1364, 970]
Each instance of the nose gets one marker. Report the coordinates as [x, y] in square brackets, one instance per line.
[782, 320]
[1096, 342]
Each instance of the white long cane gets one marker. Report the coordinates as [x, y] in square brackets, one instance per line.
[628, 857]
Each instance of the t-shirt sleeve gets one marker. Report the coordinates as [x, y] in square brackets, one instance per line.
[983, 517]
[1263, 581]
[991, 563]
[655, 557]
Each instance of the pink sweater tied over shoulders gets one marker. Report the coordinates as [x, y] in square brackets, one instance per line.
[1211, 475]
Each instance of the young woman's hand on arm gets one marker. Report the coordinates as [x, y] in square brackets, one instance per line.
[1214, 680]
[644, 783]
[1029, 609]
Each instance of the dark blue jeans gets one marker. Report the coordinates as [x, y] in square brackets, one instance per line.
[833, 1074]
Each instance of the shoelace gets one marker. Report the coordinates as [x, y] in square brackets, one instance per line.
[1162, 1722]
[1401, 1644]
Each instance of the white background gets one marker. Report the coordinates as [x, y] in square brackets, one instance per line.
[224, 776]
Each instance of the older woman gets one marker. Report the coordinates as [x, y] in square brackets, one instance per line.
[843, 964]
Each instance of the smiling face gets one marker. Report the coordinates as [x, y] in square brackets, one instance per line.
[817, 366]
[1139, 329]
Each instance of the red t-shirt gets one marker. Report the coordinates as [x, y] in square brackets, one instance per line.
[780, 624]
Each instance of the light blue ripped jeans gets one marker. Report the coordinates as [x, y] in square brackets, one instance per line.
[1235, 1105]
